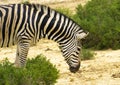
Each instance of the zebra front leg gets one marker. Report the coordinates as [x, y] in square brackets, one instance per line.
[21, 54]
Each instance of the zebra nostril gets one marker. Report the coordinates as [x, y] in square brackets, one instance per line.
[74, 69]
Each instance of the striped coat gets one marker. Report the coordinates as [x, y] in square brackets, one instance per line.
[26, 24]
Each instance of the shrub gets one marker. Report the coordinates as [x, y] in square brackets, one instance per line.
[102, 19]
[38, 71]
[44, 70]
[86, 54]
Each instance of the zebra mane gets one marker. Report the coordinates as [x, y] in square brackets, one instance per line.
[38, 7]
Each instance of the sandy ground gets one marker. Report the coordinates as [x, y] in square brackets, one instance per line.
[103, 70]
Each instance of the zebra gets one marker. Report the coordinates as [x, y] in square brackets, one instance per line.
[25, 24]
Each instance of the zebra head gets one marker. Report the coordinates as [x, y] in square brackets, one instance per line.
[71, 50]
[75, 56]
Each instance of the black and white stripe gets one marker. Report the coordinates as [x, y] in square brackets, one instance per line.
[25, 24]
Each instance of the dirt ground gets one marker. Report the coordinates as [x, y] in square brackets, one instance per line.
[103, 70]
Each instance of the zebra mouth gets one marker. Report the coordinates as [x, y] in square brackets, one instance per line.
[74, 69]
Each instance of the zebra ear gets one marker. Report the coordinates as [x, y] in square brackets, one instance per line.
[82, 35]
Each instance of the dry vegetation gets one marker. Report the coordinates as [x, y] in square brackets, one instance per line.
[103, 70]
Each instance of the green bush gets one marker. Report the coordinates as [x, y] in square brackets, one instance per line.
[86, 54]
[102, 19]
[38, 71]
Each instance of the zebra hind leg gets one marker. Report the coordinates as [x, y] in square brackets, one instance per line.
[21, 54]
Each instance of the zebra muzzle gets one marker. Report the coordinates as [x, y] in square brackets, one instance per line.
[74, 69]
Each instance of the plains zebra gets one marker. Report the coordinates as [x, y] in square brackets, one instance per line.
[25, 24]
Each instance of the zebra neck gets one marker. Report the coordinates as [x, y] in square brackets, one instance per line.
[54, 25]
